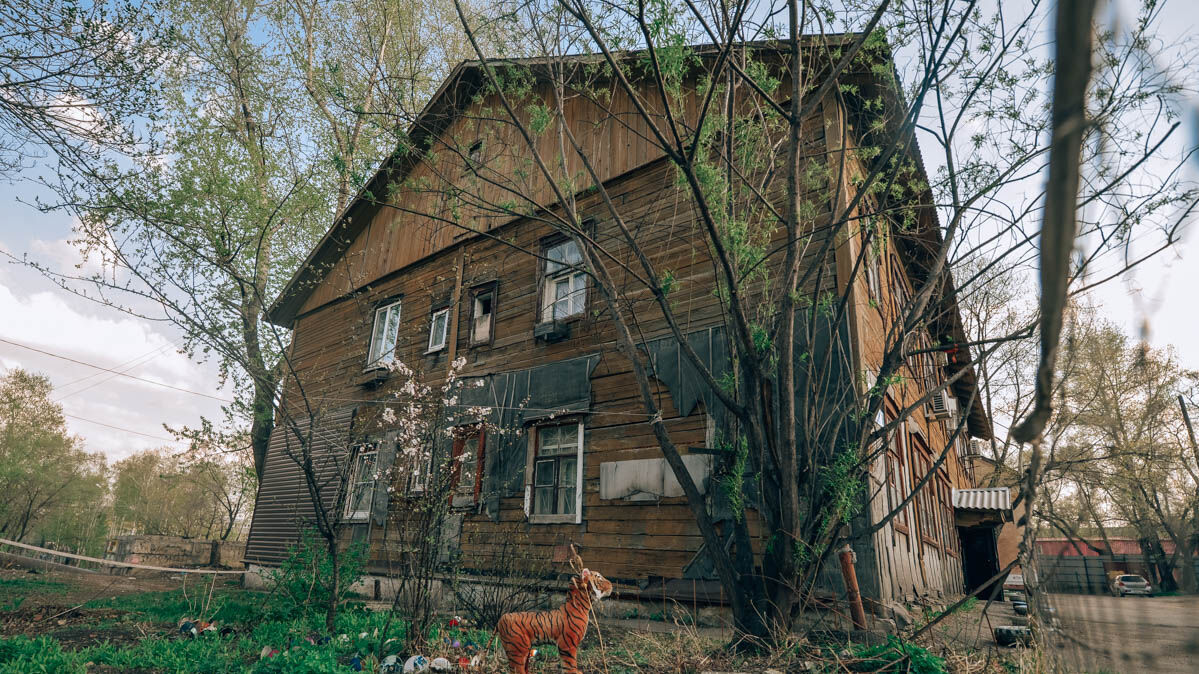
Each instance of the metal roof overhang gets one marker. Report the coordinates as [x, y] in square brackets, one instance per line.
[991, 505]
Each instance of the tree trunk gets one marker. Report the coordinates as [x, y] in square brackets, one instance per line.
[262, 425]
[334, 584]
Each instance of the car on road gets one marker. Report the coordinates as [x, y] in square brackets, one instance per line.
[1131, 584]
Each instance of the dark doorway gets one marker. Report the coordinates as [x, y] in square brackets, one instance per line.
[980, 559]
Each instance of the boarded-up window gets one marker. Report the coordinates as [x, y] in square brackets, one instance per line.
[468, 457]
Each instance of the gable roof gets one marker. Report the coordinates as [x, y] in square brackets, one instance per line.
[458, 88]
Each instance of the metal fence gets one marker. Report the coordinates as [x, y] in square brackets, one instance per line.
[1089, 575]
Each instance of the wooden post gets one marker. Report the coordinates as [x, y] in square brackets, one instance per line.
[852, 594]
[454, 308]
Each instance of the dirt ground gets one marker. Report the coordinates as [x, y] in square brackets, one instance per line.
[1129, 634]
[1098, 633]
[59, 588]
[48, 603]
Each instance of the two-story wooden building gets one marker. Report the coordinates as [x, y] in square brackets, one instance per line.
[400, 278]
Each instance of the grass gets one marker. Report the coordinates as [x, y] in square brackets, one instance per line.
[607, 650]
[256, 623]
[164, 650]
[32, 583]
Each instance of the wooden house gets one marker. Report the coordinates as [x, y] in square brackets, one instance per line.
[407, 277]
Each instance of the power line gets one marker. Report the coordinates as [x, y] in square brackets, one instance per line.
[131, 363]
[117, 372]
[118, 428]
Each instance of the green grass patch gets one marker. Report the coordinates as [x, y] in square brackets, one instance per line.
[32, 583]
[225, 606]
[164, 650]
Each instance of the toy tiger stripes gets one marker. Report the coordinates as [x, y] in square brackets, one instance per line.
[565, 626]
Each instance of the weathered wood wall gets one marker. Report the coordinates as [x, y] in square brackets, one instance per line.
[912, 556]
[406, 254]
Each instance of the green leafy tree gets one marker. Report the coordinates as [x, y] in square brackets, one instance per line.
[45, 476]
[271, 116]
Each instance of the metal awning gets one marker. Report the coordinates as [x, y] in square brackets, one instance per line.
[992, 502]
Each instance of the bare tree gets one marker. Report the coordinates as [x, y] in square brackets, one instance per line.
[750, 189]
[77, 78]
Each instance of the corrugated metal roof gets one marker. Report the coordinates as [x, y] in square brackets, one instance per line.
[993, 498]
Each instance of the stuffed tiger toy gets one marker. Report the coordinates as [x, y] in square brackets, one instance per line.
[565, 626]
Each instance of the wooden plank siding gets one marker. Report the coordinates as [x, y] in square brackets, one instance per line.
[923, 558]
[402, 254]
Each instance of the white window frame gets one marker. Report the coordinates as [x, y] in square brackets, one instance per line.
[437, 340]
[530, 473]
[378, 354]
[357, 480]
[416, 483]
[576, 285]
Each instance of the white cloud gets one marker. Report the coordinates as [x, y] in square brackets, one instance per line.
[55, 322]
[64, 257]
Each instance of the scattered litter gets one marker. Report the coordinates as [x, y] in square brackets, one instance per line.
[390, 665]
[468, 663]
[267, 652]
[455, 621]
[440, 665]
[356, 662]
[416, 663]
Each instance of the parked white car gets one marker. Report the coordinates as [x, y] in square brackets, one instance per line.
[1130, 584]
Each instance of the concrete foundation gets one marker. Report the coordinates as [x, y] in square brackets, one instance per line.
[174, 551]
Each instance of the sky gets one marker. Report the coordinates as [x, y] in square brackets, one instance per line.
[118, 415]
[114, 415]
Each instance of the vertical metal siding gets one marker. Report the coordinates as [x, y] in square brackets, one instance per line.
[283, 504]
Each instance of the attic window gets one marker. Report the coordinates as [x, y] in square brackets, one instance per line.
[438, 327]
[482, 315]
[475, 154]
[873, 273]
